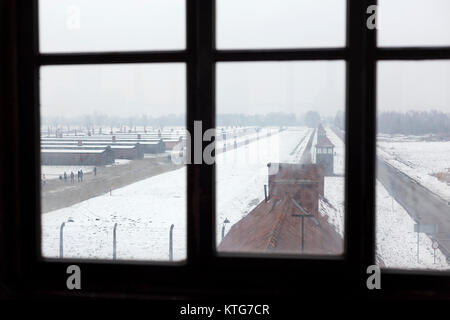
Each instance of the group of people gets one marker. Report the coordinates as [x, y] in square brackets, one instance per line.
[71, 176]
[80, 175]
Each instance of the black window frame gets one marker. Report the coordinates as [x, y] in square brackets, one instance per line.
[206, 273]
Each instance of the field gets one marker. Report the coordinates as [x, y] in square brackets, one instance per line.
[420, 158]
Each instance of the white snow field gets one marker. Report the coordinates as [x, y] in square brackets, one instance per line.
[144, 212]
[334, 186]
[396, 240]
[418, 159]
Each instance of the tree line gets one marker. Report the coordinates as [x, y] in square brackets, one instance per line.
[310, 118]
[408, 123]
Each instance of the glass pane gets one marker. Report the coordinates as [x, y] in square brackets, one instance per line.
[277, 191]
[280, 24]
[111, 25]
[109, 186]
[413, 175]
[414, 22]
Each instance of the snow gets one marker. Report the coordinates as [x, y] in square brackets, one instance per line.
[53, 172]
[396, 239]
[242, 173]
[334, 193]
[418, 159]
[143, 211]
[339, 149]
[71, 151]
[120, 162]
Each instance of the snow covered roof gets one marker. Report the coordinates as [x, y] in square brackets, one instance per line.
[72, 151]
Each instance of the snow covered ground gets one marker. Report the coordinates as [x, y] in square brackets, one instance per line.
[144, 212]
[339, 150]
[334, 185]
[334, 193]
[395, 237]
[418, 159]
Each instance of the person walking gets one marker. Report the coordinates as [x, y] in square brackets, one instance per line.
[78, 175]
[43, 179]
[81, 175]
[65, 176]
[95, 171]
[72, 176]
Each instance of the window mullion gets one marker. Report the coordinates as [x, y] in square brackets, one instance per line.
[360, 140]
[201, 107]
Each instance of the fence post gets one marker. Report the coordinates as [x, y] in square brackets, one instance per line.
[114, 242]
[171, 243]
[61, 244]
[223, 227]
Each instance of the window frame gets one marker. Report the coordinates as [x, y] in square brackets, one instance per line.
[203, 273]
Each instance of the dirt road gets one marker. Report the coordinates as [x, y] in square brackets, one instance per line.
[57, 194]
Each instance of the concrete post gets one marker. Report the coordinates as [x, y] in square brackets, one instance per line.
[115, 242]
[171, 243]
[61, 240]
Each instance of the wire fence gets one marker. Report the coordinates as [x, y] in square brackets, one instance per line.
[114, 241]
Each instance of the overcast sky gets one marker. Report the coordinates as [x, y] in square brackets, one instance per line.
[122, 90]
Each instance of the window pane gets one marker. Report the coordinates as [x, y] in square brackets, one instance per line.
[413, 175]
[111, 25]
[280, 24]
[107, 138]
[414, 23]
[275, 119]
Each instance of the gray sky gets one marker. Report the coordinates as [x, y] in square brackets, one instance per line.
[122, 90]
